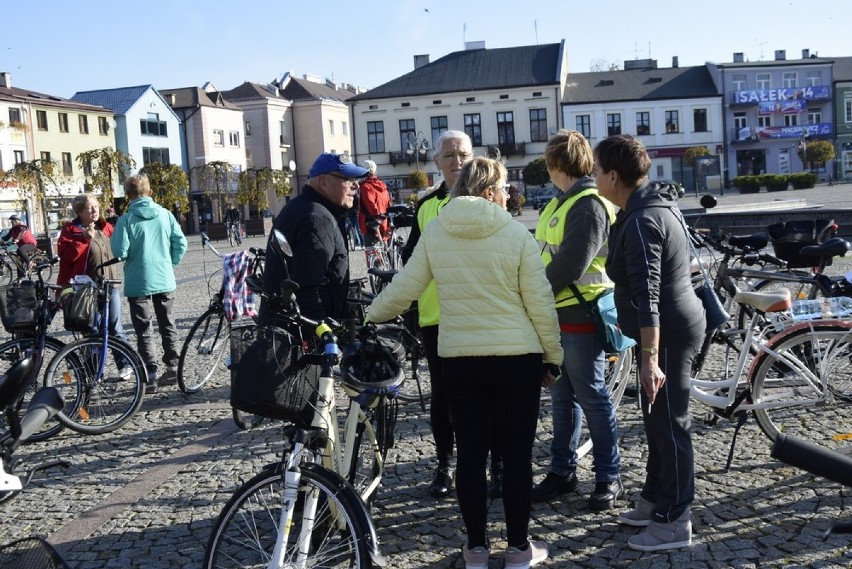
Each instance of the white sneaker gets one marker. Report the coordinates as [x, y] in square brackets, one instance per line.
[534, 554]
[126, 373]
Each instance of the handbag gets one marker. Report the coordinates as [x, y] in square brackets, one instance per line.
[714, 311]
[604, 316]
[80, 307]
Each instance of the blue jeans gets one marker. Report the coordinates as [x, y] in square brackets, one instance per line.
[581, 391]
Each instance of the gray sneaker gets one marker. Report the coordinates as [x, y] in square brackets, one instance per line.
[535, 553]
[658, 537]
[169, 376]
[476, 558]
[640, 516]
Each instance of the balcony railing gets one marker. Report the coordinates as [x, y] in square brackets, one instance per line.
[399, 157]
[507, 149]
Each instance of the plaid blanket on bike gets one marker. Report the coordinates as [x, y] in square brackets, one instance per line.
[237, 299]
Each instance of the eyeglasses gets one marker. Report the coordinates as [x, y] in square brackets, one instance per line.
[349, 181]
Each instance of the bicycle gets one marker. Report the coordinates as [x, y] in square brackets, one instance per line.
[386, 254]
[29, 329]
[204, 350]
[234, 233]
[13, 268]
[99, 396]
[305, 511]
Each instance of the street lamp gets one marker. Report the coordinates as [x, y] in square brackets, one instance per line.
[417, 145]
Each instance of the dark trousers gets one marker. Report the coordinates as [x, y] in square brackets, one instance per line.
[500, 393]
[439, 410]
[143, 309]
[670, 469]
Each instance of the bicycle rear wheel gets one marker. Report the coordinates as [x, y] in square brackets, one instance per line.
[14, 351]
[204, 351]
[245, 532]
[97, 401]
[617, 371]
[819, 410]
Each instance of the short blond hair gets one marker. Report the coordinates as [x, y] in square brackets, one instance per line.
[136, 186]
[569, 152]
[477, 175]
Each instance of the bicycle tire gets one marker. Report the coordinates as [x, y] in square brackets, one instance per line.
[826, 350]
[100, 404]
[375, 261]
[367, 459]
[46, 272]
[205, 349]
[13, 351]
[617, 370]
[8, 272]
[245, 532]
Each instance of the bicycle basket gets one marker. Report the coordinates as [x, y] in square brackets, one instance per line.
[789, 237]
[269, 377]
[31, 552]
[80, 308]
[19, 306]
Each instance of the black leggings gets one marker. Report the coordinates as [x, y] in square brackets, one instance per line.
[500, 393]
[439, 411]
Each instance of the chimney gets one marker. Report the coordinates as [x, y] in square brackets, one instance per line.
[738, 57]
[172, 99]
[806, 53]
[675, 62]
[421, 60]
[6, 79]
[780, 55]
[470, 45]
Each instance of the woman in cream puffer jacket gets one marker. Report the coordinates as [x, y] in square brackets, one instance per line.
[499, 338]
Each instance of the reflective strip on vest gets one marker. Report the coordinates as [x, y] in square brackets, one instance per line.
[549, 233]
[427, 304]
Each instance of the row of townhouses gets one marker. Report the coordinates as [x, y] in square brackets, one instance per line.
[752, 116]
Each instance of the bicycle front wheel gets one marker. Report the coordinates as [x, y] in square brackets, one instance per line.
[16, 350]
[204, 351]
[617, 370]
[815, 407]
[99, 398]
[8, 272]
[244, 535]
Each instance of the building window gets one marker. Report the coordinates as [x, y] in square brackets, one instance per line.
[331, 127]
[83, 121]
[41, 120]
[672, 124]
[791, 120]
[643, 123]
[218, 137]
[375, 136]
[234, 138]
[763, 81]
[439, 125]
[740, 120]
[506, 128]
[67, 166]
[814, 78]
[248, 129]
[153, 125]
[14, 116]
[473, 128]
[151, 155]
[538, 125]
[699, 120]
[764, 121]
[87, 166]
[848, 110]
[344, 128]
[19, 157]
[103, 125]
[584, 125]
[63, 122]
[45, 156]
[613, 124]
[406, 127]
[789, 79]
[738, 82]
[281, 131]
[814, 116]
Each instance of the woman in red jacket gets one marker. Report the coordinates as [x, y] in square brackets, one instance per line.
[374, 203]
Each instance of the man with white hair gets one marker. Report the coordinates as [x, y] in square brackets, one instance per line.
[373, 206]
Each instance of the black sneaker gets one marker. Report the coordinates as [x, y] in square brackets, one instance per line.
[553, 486]
[169, 376]
[441, 483]
[605, 495]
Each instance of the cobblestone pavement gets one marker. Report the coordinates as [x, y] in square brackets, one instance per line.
[147, 495]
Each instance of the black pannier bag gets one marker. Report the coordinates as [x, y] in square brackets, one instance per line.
[789, 237]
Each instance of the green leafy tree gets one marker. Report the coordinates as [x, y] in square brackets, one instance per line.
[418, 180]
[535, 173]
[36, 180]
[215, 180]
[694, 152]
[254, 185]
[169, 185]
[105, 166]
[816, 152]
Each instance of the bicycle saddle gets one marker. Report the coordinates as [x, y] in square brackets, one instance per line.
[754, 241]
[834, 247]
[384, 275]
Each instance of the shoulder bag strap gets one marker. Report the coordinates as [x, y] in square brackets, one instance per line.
[704, 274]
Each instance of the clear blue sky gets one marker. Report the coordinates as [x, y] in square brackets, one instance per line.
[65, 46]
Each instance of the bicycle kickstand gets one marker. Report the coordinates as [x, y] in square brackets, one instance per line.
[742, 417]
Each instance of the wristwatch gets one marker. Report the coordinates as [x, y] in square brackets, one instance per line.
[653, 350]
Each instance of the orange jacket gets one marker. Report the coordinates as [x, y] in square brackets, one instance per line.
[375, 200]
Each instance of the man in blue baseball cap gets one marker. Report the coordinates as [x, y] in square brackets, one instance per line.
[312, 223]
